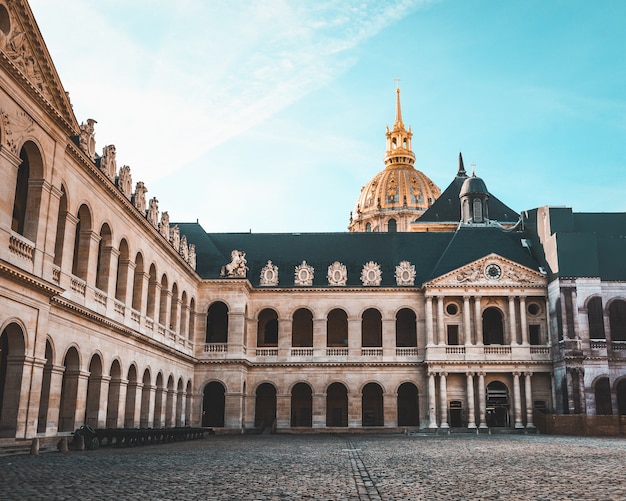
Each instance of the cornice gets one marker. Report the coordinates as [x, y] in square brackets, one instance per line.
[29, 280]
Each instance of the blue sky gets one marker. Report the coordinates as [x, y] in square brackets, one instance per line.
[270, 115]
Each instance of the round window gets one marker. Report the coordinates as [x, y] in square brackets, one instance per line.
[452, 309]
[533, 308]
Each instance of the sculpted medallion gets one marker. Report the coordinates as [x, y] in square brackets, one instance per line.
[371, 274]
[337, 274]
[269, 274]
[405, 273]
[303, 274]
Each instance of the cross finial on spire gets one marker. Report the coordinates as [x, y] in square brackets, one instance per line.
[398, 108]
[397, 79]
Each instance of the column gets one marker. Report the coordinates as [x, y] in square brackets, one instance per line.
[390, 410]
[581, 388]
[87, 263]
[441, 335]
[467, 327]
[432, 401]
[478, 321]
[81, 400]
[101, 420]
[389, 337]
[570, 391]
[471, 419]
[236, 329]
[429, 321]
[108, 268]
[548, 332]
[443, 399]
[54, 399]
[517, 397]
[283, 410]
[355, 407]
[354, 338]
[284, 339]
[319, 340]
[512, 324]
[151, 401]
[529, 400]
[318, 401]
[564, 315]
[183, 402]
[482, 401]
[523, 320]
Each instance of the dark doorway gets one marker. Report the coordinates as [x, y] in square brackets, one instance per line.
[408, 405]
[337, 405]
[301, 406]
[265, 406]
[213, 405]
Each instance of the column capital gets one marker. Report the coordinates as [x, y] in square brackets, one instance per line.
[528, 373]
[469, 374]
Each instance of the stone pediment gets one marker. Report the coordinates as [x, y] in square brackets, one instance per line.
[24, 52]
[491, 271]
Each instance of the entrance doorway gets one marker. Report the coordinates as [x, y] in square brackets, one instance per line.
[498, 405]
[456, 414]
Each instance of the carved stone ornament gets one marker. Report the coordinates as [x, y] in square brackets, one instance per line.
[192, 256]
[108, 165]
[184, 248]
[405, 273]
[15, 128]
[153, 212]
[237, 267]
[303, 274]
[175, 237]
[139, 198]
[164, 227]
[269, 274]
[14, 45]
[88, 139]
[371, 274]
[337, 274]
[471, 274]
[125, 182]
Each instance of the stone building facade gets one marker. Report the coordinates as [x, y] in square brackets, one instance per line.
[112, 316]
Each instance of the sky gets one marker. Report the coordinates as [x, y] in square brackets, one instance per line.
[269, 116]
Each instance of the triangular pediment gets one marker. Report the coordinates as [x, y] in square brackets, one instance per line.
[490, 271]
[24, 54]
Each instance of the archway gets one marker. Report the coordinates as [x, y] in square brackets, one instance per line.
[267, 333]
[621, 397]
[337, 329]
[179, 419]
[406, 328]
[213, 404]
[169, 403]
[12, 351]
[158, 402]
[371, 328]
[131, 398]
[265, 406]
[408, 405]
[113, 399]
[372, 405]
[497, 405]
[337, 405]
[217, 323]
[302, 328]
[69, 390]
[617, 320]
[301, 406]
[493, 329]
[144, 413]
[44, 400]
[94, 385]
[603, 397]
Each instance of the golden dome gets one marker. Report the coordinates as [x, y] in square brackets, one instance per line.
[398, 195]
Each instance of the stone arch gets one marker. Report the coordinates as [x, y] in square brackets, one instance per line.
[159, 407]
[620, 390]
[493, 326]
[265, 406]
[103, 264]
[152, 292]
[267, 331]
[188, 401]
[130, 408]
[617, 320]
[82, 242]
[372, 408]
[163, 300]
[146, 390]
[406, 328]
[408, 404]
[217, 323]
[302, 405]
[59, 240]
[602, 394]
[69, 390]
[214, 404]
[12, 353]
[113, 398]
[392, 225]
[337, 328]
[169, 402]
[371, 328]
[174, 308]
[123, 265]
[302, 328]
[28, 194]
[94, 386]
[498, 404]
[595, 317]
[192, 320]
[180, 403]
[44, 399]
[184, 314]
[138, 284]
[337, 405]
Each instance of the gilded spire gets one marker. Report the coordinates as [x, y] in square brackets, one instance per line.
[398, 123]
[399, 148]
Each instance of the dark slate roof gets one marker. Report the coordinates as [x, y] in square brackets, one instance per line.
[447, 208]
[432, 253]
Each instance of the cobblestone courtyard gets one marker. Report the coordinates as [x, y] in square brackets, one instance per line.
[329, 467]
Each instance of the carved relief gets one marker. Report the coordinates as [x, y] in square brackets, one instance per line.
[337, 274]
[139, 199]
[269, 274]
[405, 273]
[237, 267]
[175, 237]
[371, 274]
[153, 212]
[192, 256]
[108, 165]
[125, 182]
[15, 128]
[15, 47]
[470, 274]
[164, 227]
[88, 139]
[184, 249]
[303, 274]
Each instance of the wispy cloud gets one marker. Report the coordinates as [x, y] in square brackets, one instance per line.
[166, 86]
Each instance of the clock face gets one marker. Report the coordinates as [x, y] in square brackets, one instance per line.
[493, 272]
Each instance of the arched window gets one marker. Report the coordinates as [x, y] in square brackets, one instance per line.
[163, 301]
[144, 412]
[392, 226]
[302, 328]
[337, 328]
[217, 323]
[82, 240]
[603, 397]
[94, 387]
[371, 328]
[69, 391]
[138, 286]
[493, 330]
[11, 347]
[60, 232]
[152, 292]
[192, 319]
[267, 334]
[406, 328]
[368, 227]
[123, 264]
[174, 308]
[28, 195]
[103, 265]
[21, 195]
[617, 320]
[113, 400]
[595, 317]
